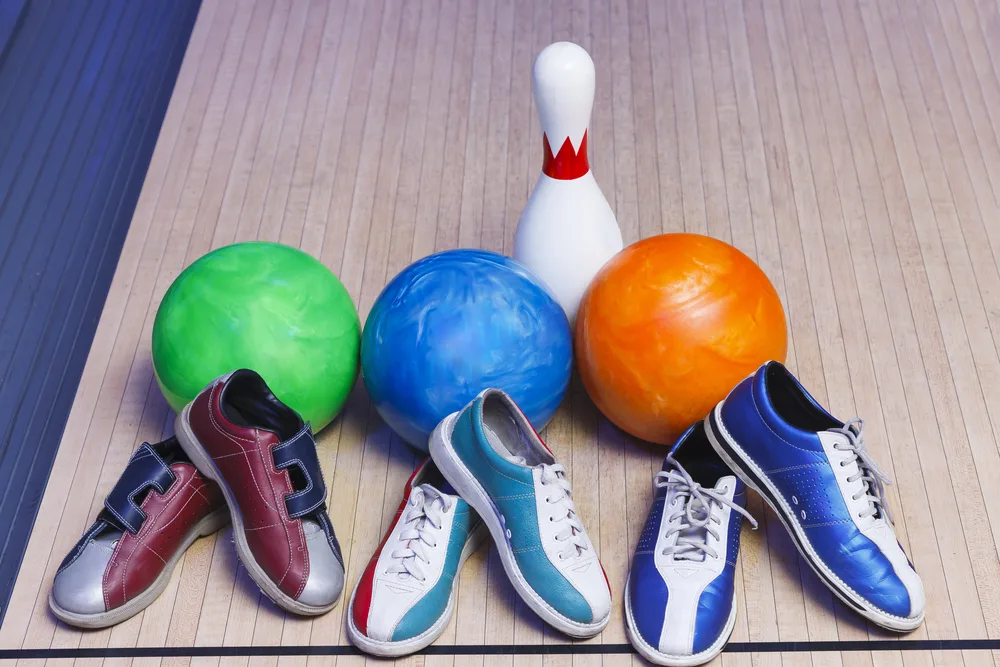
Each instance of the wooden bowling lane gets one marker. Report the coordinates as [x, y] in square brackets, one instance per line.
[852, 148]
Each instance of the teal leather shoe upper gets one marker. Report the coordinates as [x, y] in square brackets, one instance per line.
[512, 490]
[428, 610]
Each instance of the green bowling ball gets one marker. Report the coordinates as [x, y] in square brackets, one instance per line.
[263, 306]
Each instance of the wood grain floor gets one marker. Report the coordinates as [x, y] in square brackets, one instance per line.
[851, 147]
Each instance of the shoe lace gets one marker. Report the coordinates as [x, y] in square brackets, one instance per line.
[695, 518]
[873, 479]
[564, 511]
[422, 518]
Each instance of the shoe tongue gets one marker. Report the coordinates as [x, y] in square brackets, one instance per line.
[309, 526]
[109, 538]
[442, 486]
[694, 534]
[707, 472]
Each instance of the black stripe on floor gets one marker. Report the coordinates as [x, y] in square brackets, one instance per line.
[493, 649]
[84, 85]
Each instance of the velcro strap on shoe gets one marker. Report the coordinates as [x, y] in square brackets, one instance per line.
[300, 452]
[145, 470]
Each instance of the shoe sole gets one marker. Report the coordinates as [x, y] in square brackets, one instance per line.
[392, 649]
[206, 466]
[751, 474]
[207, 526]
[667, 659]
[471, 490]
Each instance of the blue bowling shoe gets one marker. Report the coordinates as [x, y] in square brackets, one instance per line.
[679, 600]
[495, 461]
[816, 474]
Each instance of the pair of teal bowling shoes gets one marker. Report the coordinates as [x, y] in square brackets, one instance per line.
[489, 472]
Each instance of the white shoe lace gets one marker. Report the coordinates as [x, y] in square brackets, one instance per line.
[695, 517]
[872, 479]
[564, 511]
[422, 519]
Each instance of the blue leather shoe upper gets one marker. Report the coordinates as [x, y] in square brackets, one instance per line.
[716, 601]
[705, 589]
[647, 591]
[759, 414]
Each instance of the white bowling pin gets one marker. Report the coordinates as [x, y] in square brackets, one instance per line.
[567, 231]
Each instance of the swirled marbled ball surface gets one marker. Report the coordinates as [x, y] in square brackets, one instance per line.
[455, 323]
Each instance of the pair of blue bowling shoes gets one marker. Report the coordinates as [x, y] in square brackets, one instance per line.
[815, 473]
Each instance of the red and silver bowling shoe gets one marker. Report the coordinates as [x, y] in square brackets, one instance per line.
[158, 507]
[264, 459]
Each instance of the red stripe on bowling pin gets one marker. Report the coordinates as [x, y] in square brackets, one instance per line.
[568, 163]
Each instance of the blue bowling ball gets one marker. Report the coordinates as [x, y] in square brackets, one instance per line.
[454, 324]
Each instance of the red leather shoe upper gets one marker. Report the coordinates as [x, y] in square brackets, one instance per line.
[244, 458]
[139, 558]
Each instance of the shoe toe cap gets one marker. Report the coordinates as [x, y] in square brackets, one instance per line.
[647, 601]
[712, 614]
[900, 594]
[79, 588]
[598, 596]
[887, 578]
[326, 574]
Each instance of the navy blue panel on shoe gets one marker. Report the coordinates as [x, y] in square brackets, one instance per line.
[145, 470]
[300, 453]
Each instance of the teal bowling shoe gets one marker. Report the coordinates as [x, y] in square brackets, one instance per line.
[407, 594]
[495, 461]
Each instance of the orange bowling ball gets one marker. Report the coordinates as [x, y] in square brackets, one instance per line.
[669, 326]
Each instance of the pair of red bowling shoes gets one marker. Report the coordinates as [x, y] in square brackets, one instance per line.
[239, 455]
